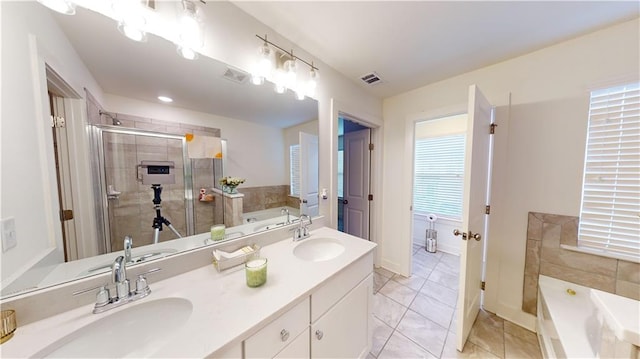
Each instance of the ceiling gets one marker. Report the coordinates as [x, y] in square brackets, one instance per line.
[412, 44]
[409, 44]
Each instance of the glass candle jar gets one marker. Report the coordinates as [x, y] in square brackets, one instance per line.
[256, 272]
[217, 232]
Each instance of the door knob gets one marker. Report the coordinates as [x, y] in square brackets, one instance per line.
[319, 334]
[475, 236]
[456, 232]
[344, 201]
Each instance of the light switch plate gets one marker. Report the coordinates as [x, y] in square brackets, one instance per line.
[8, 231]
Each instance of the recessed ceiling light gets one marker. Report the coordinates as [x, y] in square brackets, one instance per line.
[165, 99]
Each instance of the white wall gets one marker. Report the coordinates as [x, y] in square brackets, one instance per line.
[539, 146]
[255, 152]
[30, 37]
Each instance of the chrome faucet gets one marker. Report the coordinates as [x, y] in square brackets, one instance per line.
[128, 244]
[283, 211]
[124, 293]
[302, 231]
[119, 277]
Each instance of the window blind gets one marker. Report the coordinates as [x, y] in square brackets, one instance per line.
[439, 175]
[610, 213]
[294, 169]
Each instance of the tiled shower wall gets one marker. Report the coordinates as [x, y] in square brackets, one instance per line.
[132, 213]
[545, 234]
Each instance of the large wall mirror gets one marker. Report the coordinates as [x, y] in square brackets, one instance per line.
[268, 139]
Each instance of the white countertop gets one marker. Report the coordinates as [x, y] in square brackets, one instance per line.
[66, 271]
[225, 310]
[622, 315]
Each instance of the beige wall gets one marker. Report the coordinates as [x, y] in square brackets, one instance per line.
[542, 106]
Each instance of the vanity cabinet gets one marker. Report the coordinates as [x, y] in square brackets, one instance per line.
[278, 334]
[333, 322]
[345, 330]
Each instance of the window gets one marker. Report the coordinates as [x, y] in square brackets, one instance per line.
[439, 175]
[610, 213]
[294, 170]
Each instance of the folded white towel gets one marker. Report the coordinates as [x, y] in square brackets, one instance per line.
[218, 254]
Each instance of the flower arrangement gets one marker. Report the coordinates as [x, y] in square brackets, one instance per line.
[229, 184]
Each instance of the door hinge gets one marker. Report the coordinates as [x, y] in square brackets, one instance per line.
[370, 197]
[482, 285]
[371, 147]
[487, 209]
[492, 128]
[66, 215]
[57, 122]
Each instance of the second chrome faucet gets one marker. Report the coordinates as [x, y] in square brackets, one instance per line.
[302, 231]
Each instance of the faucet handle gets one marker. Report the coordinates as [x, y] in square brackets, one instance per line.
[103, 296]
[142, 287]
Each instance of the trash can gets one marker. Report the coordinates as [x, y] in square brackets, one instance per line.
[431, 236]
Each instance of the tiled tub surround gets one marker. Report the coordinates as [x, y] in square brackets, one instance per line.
[265, 197]
[545, 234]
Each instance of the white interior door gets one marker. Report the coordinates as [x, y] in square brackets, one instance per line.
[475, 199]
[357, 159]
[63, 173]
[309, 199]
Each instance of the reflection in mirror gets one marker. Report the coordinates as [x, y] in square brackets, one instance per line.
[117, 123]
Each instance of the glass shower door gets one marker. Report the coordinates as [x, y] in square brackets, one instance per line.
[129, 207]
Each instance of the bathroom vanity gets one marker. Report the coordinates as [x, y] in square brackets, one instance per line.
[579, 322]
[316, 303]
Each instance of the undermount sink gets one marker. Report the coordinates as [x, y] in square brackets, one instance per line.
[318, 249]
[137, 331]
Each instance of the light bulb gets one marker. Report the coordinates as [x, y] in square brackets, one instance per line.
[187, 52]
[263, 66]
[291, 73]
[279, 82]
[257, 79]
[62, 6]
[312, 83]
[132, 20]
[190, 29]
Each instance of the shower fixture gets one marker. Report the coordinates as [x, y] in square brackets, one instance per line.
[114, 120]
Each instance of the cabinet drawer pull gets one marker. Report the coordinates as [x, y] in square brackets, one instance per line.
[284, 335]
[319, 334]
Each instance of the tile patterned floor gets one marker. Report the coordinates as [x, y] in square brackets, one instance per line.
[416, 317]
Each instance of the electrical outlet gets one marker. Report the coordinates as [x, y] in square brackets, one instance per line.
[9, 236]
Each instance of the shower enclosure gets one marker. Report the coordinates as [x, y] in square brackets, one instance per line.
[125, 206]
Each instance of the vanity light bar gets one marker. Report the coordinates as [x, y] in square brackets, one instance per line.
[288, 53]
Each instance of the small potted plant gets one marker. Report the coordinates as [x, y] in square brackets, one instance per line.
[229, 184]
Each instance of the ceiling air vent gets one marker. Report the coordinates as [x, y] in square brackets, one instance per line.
[235, 75]
[371, 78]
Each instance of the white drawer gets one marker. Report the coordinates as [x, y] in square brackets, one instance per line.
[279, 333]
